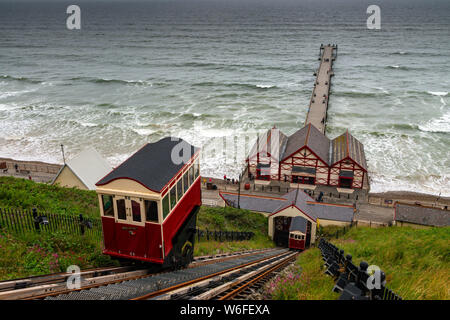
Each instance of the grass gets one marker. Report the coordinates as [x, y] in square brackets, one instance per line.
[416, 263]
[231, 219]
[304, 280]
[36, 254]
[25, 194]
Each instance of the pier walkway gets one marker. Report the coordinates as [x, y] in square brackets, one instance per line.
[317, 111]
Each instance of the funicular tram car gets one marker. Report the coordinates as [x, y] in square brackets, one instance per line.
[149, 204]
[297, 233]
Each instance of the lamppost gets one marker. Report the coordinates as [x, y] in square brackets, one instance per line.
[239, 190]
[62, 150]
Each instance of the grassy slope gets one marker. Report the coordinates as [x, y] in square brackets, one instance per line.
[26, 194]
[35, 254]
[232, 219]
[416, 263]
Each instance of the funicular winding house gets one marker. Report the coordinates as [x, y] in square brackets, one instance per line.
[149, 203]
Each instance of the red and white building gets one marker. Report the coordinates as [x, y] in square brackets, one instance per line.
[307, 159]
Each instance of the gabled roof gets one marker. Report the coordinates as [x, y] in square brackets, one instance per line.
[311, 137]
[252, 202]
[347, 146]
[152, 165]
[329, 211]
[88, 166]
[264, 143]
[297, 198]
[422, 215]
[298, 224]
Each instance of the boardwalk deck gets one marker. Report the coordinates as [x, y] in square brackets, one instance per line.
[317, 111]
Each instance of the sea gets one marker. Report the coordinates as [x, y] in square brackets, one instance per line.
[217, 72]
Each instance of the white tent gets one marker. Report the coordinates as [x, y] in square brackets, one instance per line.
[83, 171]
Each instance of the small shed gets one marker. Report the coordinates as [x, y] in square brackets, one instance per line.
[83, 171]
[282, 210]
[420, 216]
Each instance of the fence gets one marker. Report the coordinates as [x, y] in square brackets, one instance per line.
[223, 235]
[355, 283]
[30, 221]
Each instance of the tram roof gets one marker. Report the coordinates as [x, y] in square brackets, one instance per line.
[155, 164]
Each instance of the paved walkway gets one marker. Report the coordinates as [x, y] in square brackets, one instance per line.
[317, 112]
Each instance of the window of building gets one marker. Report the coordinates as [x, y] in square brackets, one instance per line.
[108, 208]
[121, 210]
[303, 180]
[136, 211]
[165, 205]
[173, 197]
[180, 189]
[151, 210]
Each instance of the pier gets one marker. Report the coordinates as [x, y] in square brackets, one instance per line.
[317, 111]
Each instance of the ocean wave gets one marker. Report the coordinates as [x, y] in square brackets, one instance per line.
[22, 79]
[439, 125]
[360, 94]
[438, 93]
[236, 84]
[113, 81]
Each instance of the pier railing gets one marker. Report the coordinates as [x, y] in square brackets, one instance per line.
[354, 283]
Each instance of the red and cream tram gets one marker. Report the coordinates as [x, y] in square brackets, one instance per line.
[297, 233]
[149, 204]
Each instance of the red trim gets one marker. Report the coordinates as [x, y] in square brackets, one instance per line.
[190, 162]
[292, 205]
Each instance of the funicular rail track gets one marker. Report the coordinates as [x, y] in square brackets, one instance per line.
[237, 282]
[40, 287]
[154, 286]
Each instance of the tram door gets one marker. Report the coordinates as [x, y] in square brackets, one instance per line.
[308, 234]
[130, 226]
[281, 234]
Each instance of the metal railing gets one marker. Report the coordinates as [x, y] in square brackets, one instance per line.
[216, 235]
[354, 283]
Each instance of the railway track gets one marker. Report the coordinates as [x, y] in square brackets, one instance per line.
[40, 287]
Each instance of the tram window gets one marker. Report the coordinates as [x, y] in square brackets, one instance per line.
[196, 169]
[173, 197]
[108, 209]
[191, 174]
[180, 189]
[165, 205]
[151, 210]
[185, 181]
[121, 211]
[136, 211]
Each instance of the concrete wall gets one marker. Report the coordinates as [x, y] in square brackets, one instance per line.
[324, 223]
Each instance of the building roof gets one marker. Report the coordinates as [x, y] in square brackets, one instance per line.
[152, 165]
[328, 211]
[296, 197]
[347, 146]
[311, 137]
[88, 166]
[264, 143]
[298, 224]
[253, 203]
[422, 215]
